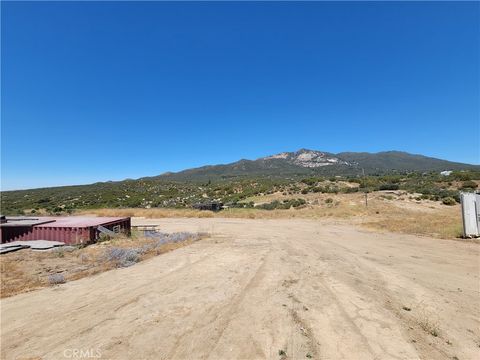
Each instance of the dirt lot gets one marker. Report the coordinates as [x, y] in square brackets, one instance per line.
[280, 288]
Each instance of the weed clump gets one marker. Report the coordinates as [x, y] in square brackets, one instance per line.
[122, 257]
[429, 326]
[55, 279]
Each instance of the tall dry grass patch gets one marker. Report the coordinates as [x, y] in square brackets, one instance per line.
[156, 213]
[442, 223]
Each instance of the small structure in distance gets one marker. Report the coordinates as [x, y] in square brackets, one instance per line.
[210, 205]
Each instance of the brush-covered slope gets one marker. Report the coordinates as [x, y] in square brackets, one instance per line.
[312, 162]
[230, 183]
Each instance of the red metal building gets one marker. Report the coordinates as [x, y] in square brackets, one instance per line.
[68, 229]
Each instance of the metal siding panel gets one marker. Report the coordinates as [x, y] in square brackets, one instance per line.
[68, 234]
[469, 214]
[477, 206]
[15, 233]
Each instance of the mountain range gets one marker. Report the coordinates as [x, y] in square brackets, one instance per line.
[306, 162]
[238, 181]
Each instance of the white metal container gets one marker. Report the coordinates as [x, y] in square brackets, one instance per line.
[470, 214]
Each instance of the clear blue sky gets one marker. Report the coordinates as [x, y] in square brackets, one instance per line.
[99, 91]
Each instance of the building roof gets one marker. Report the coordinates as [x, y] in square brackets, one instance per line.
[60, 221]
[81, 221]
[16, 221]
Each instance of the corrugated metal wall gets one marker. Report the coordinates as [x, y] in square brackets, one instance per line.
[68, 235]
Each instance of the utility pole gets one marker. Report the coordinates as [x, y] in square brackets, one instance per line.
[366, 191]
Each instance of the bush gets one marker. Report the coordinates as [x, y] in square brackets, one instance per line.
[461, 175]
[469, 185]
[57, 209]
[449, 201]
[123, 257]
[285, 204]
[309, 181]
[388, 187]
[183, 236]
[329, 201]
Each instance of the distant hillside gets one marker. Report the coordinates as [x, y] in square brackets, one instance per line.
[295, 173]
[401, 161]
[311, 162]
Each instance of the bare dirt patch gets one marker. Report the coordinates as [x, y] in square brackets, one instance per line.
[282, 288]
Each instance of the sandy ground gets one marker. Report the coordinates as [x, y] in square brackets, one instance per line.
[285, 288]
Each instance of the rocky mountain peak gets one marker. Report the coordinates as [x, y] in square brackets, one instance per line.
[307, 158]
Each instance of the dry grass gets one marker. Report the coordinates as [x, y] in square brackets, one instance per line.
[442, 223]
[15, 278]
[428, 323]
[157, 213]
[400, 214]
[27, 270]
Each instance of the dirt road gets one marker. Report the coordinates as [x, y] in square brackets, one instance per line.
[257, 289]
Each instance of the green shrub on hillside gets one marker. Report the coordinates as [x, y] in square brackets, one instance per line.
[154, 192]
[449, 201]
[285, 204]
[469, 184]
[388, 187]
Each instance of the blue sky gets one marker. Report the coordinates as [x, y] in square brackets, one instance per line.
[98, 91]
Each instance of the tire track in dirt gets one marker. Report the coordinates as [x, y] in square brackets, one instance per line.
[376, 286]
[226, 314]
[298, 286]
[342, 266]
[222, 316]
